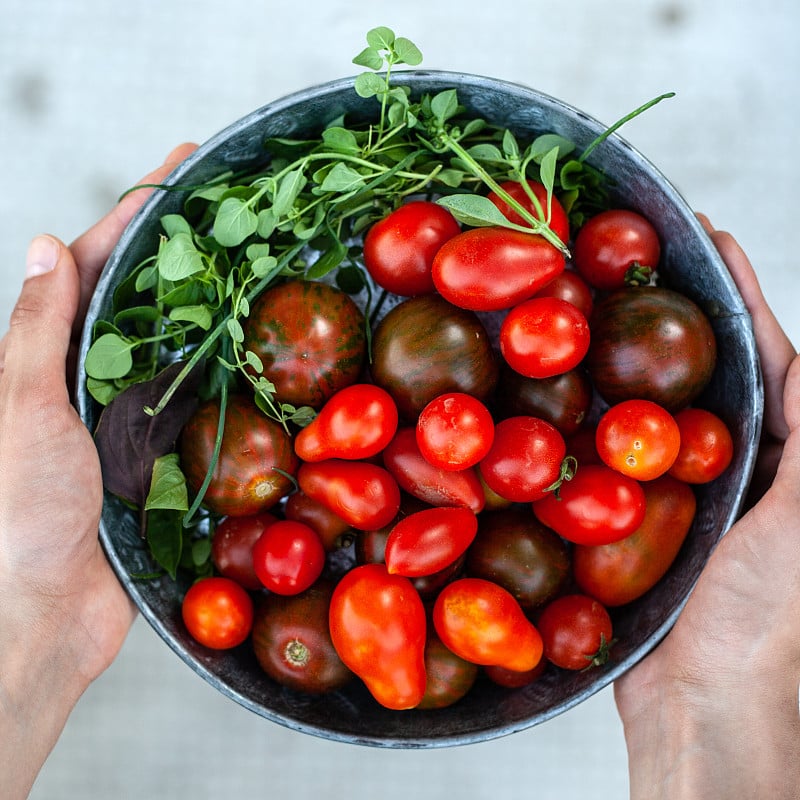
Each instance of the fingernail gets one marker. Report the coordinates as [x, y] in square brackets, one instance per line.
[42, 256]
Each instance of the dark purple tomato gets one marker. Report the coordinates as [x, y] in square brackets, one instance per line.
[310, 338]
[425, 347]
[515, 550]
[292, 643]
[232, 547]
[449, 677]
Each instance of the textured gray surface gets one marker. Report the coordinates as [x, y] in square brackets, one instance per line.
[94, 94]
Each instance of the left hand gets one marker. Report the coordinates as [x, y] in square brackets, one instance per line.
[64, 614]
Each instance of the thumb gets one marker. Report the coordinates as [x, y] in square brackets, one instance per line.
[37, 342]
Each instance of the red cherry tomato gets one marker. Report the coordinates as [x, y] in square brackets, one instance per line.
[378, 627]
[543, 337]
[611, 247]
[577, 632]
[638, 438]
[232, 547]
[288, 557]
[571, 287]
[483, 623]
[454, 431]
[492, 268]
[559, 222]
[356, 422]
[706, 447]
[217, 612]
[525, 459]
[433, 485]
[399, 249]
[427, 541]
[597, 506]
[365, 495]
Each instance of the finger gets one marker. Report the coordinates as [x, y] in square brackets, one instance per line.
[775, 349]
[92, 249]
[39, 330]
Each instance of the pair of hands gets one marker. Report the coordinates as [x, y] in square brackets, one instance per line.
[715, 702]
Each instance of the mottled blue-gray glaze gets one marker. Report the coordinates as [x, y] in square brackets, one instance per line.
[690, 264]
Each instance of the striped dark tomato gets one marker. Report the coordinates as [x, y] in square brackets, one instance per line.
[256, 452]
[311, 339]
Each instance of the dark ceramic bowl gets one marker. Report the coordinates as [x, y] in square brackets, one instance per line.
[690, 265]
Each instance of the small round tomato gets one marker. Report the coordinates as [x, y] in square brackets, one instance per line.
[616, 247]
[454, 431]
[598, 505]
[492, 268]
[533, 198]
[577, 632]
[543, 337]
[638, 438]
[483, 623]
[399, 249]
[356, 422]
[525, 459]
[427, 541]
[449, 677]
[217, 612]
[364, 495]
[706, 447]
[571, 287]
[232, 547]
[292, 642]
[288, 557]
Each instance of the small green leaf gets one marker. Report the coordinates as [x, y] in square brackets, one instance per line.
[179, 258]
[486, 152]
[543, 144]
[547, 170]
[235, 330]
[102, 391]
[167, 485]
[165, 538]
[288, 190]
[328, 260]
[200, 315]
[473, 209]
[370, 58]
[341, 140]
[407, 52]
[380, 38]
[146, 278]
[254, 361]
[265, 223]
[235, 221]
[342, 178]
[368, 84]
[174, 224]
[444, 105]
[109, 357]
[262, 266]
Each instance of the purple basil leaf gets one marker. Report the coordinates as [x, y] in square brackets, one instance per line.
[128, 440]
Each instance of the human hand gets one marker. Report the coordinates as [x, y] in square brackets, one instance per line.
[713, 711]
[64, 614]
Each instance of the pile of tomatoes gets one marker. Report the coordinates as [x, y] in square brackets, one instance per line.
[498, 492]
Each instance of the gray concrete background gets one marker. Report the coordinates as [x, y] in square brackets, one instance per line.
[94, 94]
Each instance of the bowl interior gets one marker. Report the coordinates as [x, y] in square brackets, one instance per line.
[690, 265]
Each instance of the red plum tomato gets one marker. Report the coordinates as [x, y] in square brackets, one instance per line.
[543, 337]
[217, 612]
[597, 506]
[232, 547]
[363, 494]
[494, 268]
[379, 627]
[483, 623]
[454, 431]
[525, 459]
[288, 557]
[357, 422]
[706, 448]
[616, 247]
[427, 541]
[638, 438]
[399, 249]
[577, 632]
[539, 207]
